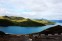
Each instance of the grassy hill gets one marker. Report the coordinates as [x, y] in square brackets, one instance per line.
[20, 21]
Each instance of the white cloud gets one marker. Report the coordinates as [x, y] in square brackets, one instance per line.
[49, 9]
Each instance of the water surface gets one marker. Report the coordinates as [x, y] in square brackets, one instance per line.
[25, 30]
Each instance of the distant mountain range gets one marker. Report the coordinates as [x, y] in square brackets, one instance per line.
[60, 21]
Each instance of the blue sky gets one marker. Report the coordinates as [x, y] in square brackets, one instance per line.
[47, 9]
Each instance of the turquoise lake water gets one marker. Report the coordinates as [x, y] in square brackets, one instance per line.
[25, 30]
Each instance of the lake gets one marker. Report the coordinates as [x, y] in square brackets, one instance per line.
[25, 30]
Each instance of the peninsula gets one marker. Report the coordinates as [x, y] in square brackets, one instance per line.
[24, 22]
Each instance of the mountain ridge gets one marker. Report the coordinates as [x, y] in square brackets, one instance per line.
[25, 22]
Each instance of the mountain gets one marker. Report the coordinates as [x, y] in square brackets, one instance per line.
[60, 21]
[45, 21]
[52, 30]
[31, 23]
[5, 22]
[20, 21]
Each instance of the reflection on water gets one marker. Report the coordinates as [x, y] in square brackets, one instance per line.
[25, 30]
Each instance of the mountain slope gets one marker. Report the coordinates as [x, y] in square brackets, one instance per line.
[20, 21]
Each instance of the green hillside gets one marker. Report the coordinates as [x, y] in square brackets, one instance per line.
[20, 21]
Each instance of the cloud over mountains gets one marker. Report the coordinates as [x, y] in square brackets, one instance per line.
[49, 9]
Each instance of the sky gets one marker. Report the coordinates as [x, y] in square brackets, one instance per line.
[34, 9]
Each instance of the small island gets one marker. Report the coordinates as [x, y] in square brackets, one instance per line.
[24, 22]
